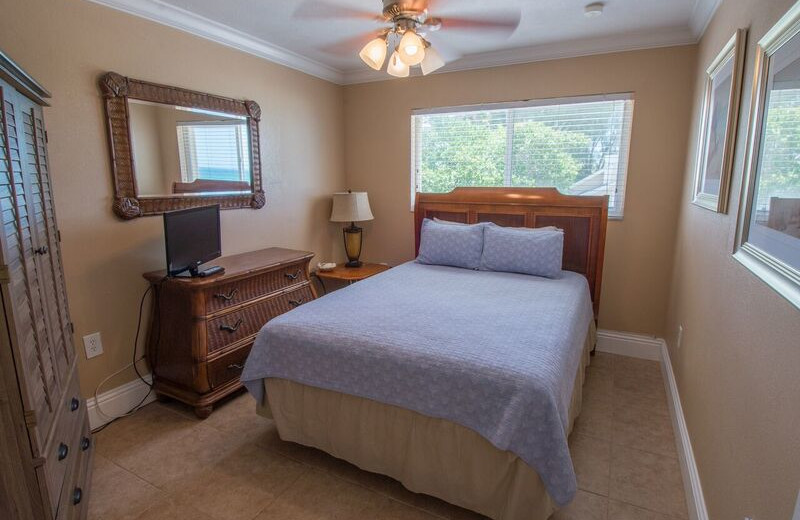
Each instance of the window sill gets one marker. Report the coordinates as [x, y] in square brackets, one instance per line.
[775, 276]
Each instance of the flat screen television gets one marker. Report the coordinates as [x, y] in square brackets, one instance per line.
[192, 238]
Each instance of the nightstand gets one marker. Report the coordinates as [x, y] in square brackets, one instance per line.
[349, 275]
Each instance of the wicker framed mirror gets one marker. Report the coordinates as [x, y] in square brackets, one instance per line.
[173, 148]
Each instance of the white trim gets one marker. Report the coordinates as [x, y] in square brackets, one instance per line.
[629, 344]
[526, 103]
[118, 401]
[172, 16]
[545, 52]
[177, 18]
[655, 349]
[693, 490]
[701, 16]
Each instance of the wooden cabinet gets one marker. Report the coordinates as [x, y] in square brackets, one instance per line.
[202, 329]
[45, 444]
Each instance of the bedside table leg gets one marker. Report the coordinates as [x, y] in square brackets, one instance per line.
[202, 412]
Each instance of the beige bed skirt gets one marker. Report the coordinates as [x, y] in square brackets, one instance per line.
[427, 455]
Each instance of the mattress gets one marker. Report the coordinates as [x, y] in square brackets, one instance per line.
[494, 352]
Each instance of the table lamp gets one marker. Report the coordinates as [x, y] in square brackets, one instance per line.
[351, 207]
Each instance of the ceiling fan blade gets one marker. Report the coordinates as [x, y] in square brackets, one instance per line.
[506, 23]
[350, 46]
[320, 9]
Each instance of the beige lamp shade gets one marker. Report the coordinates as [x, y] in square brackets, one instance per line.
[351, 207]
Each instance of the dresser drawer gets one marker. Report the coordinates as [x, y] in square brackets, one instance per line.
[74, 501]
[225, 295]
[228, 367]
[247, 321]
[63, 447]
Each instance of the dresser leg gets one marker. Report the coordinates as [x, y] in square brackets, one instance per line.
[203, 412]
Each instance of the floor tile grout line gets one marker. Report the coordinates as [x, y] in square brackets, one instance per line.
[276, 497]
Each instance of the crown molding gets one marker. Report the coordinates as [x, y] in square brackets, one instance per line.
[701, 16]
[181, 19]
[551, 51]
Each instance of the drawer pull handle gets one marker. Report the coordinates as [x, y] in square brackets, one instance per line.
[227, 297]
[85, 443]
[292, 276]
[236, 366]
[231, 329]
[77, 495]
[74, 404]
[63, 451]
[41, 250]
[296, 303]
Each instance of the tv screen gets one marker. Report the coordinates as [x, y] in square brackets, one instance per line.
[192, 238]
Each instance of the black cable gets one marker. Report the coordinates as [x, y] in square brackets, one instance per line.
[136, 338]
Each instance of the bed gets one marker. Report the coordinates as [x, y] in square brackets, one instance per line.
[460, 384]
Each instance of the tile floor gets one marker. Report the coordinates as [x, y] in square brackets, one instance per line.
[163, 463]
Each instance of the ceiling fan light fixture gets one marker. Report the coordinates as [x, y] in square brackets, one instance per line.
[397, 67]
[411, 48]
[433, 61]
[374, 53]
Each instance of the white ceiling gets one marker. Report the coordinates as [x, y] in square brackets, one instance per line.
[548, 29]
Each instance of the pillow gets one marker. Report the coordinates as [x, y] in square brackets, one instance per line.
[446, 244]
[537, 252]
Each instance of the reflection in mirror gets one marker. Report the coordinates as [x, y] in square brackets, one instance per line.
[188, 151]
[775, 217]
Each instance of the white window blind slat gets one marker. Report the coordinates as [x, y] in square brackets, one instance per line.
[214, 150]
[578, 145]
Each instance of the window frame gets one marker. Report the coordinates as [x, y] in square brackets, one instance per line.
[617, 213]
[242, 140]
[781, 277]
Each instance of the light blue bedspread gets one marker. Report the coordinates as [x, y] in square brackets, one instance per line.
[495, 352]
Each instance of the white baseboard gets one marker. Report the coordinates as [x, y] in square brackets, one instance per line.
[695, 500]
[629, 344]
[655, 349]
[118, 401]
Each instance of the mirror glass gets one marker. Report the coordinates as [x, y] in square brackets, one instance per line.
[775, 217]
[180, 151]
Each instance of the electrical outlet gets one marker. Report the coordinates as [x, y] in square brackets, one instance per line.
[93, 345]
[680, 336]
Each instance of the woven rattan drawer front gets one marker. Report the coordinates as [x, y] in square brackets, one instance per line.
[238, 325]
[234, 293]
[228, 367]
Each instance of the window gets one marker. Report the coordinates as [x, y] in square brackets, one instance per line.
[768, 237]
[214, 150]
[578, 145]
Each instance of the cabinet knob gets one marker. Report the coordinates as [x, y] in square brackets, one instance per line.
[85, 443]
[294, 276]
[74, 404]
[236, 366]
[77, 495]
[230, 328]
[63, 451]
[296, 303]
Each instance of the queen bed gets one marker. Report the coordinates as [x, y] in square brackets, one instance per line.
[462, 384]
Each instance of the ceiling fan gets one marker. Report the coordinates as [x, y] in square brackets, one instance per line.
[408, 21]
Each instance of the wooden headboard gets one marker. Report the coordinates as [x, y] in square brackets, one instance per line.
[583, 220]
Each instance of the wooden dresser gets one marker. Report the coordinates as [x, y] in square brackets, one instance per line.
[202, 329]
[45, 445]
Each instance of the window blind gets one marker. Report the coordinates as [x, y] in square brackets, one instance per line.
[214, 150]
[578, 145]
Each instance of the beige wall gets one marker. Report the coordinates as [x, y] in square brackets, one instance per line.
[66, 45]
[639, 249]
[737, 368]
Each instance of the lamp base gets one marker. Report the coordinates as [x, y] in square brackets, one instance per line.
[352, 245]
[354, 263]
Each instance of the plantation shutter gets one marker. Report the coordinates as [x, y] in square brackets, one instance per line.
[578, 145]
